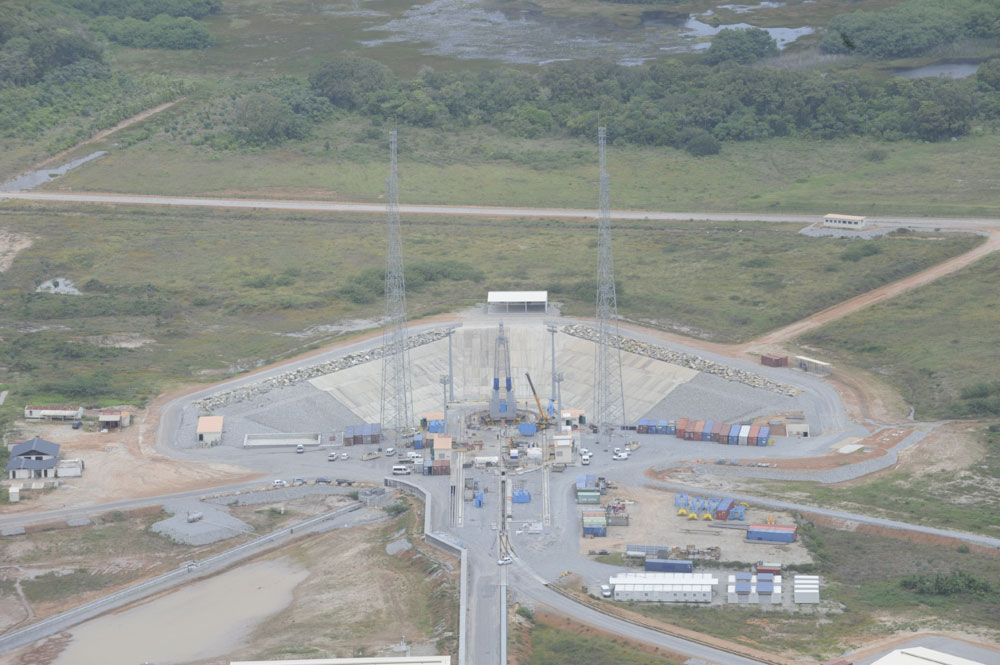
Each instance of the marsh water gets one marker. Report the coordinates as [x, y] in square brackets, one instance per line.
[475, 29]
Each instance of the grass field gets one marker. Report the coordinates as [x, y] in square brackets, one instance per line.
[856, 176]
[204, 294]
[865, 573]
[930, 343]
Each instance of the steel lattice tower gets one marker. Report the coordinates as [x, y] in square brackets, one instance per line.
[396, 411]
[609, 412]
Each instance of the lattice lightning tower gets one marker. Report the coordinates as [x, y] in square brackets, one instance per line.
[396, 413]
[610, 408]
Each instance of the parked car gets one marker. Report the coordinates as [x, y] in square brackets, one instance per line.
[279, 483]
[300, 448]
[299, 481]
[605, 591]
[323, 481]
[389, 452]
[344, 456]
[503, 561]
[332, 457]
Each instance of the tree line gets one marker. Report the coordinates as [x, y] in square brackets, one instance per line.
[692, 106]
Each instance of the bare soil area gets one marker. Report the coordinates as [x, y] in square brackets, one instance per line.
[951, 447]
[11, 244]
[653, 520]
[120, 465]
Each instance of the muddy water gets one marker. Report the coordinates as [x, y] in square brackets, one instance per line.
[473, 29]
[208, 619]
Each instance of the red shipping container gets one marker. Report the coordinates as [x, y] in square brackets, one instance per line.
[754, 433]
[682, 428]
[717, 431]
[699, 425]
[774, 361]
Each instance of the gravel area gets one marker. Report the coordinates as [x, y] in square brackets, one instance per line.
[826, 476]
[293, 408]
[216, 523]
[708, 397]
[688, 360]
[257, 497]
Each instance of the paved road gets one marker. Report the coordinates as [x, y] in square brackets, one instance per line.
[485, 211]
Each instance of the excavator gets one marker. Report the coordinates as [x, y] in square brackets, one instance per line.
[543, 419]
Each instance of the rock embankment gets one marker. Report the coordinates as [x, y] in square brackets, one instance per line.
[688, 360]
[293, 377]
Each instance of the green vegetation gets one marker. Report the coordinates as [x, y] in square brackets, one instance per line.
[911, 27]
[180, 311]
[942, 365]
[54, 587]
[964, 501]
[742, 46]
[874, 577]
[551, 645]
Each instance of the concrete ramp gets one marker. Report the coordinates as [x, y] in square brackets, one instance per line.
[647, 381]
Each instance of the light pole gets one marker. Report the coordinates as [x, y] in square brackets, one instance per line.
[444, 399]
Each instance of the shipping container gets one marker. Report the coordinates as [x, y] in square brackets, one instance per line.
[376, 432]
[595, 531]
[671, 427]
[766, 567]
[669, 565]
[661, 427]
[778, 429]
[694, 431]
[642, 427]
[706, 433]
[521, 496]
[349, 435]
[744, 434]
[764, 436]
[774, 360]
[682, 428]
[418, 441]
[770, 536]
[734, 435]
[527, 429]
[765, 577]
[717, 432]
[752, 438]
[722, 512]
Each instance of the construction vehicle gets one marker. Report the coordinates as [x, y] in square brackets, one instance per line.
[370, 456]
[543, 420]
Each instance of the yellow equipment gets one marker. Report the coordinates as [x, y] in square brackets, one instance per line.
[682, 512]
[543, 420]
[692, 516]
[707, 517]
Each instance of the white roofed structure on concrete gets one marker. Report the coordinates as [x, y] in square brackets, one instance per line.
[517, 301]
[384, 660]
[922, 656]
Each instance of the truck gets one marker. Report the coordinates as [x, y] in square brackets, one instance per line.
[370, 456]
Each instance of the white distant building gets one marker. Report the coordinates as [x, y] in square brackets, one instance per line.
[517, 301]
[805, 589]
[53, 412]
[210, 430]
[845, 222]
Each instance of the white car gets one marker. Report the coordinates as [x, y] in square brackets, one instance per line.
[618, 451]
[584, 452]
[344, 456]
[279, 483]
[504, 560]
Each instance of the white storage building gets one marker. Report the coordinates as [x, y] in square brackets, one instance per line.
[664, 587]
[805, 589]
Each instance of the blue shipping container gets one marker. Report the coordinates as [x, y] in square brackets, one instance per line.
[521, 496]
[763, 436]
[771, 536]
[642, 427]
[672, 427]
[527, 429]
[706, 434]
[418, 444]
[668, 565]
[765, 587]
[765, 577]
[661, 427]
[734, 435]
[599, 531]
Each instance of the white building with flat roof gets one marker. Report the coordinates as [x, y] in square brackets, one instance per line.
[517, 301]
[852, 222]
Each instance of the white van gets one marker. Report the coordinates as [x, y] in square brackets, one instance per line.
[585, 459]
[401, 470]
[389, 452]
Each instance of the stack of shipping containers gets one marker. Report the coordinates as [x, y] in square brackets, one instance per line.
[595, 523]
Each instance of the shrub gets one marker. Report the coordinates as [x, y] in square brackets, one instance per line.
[743, 46]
